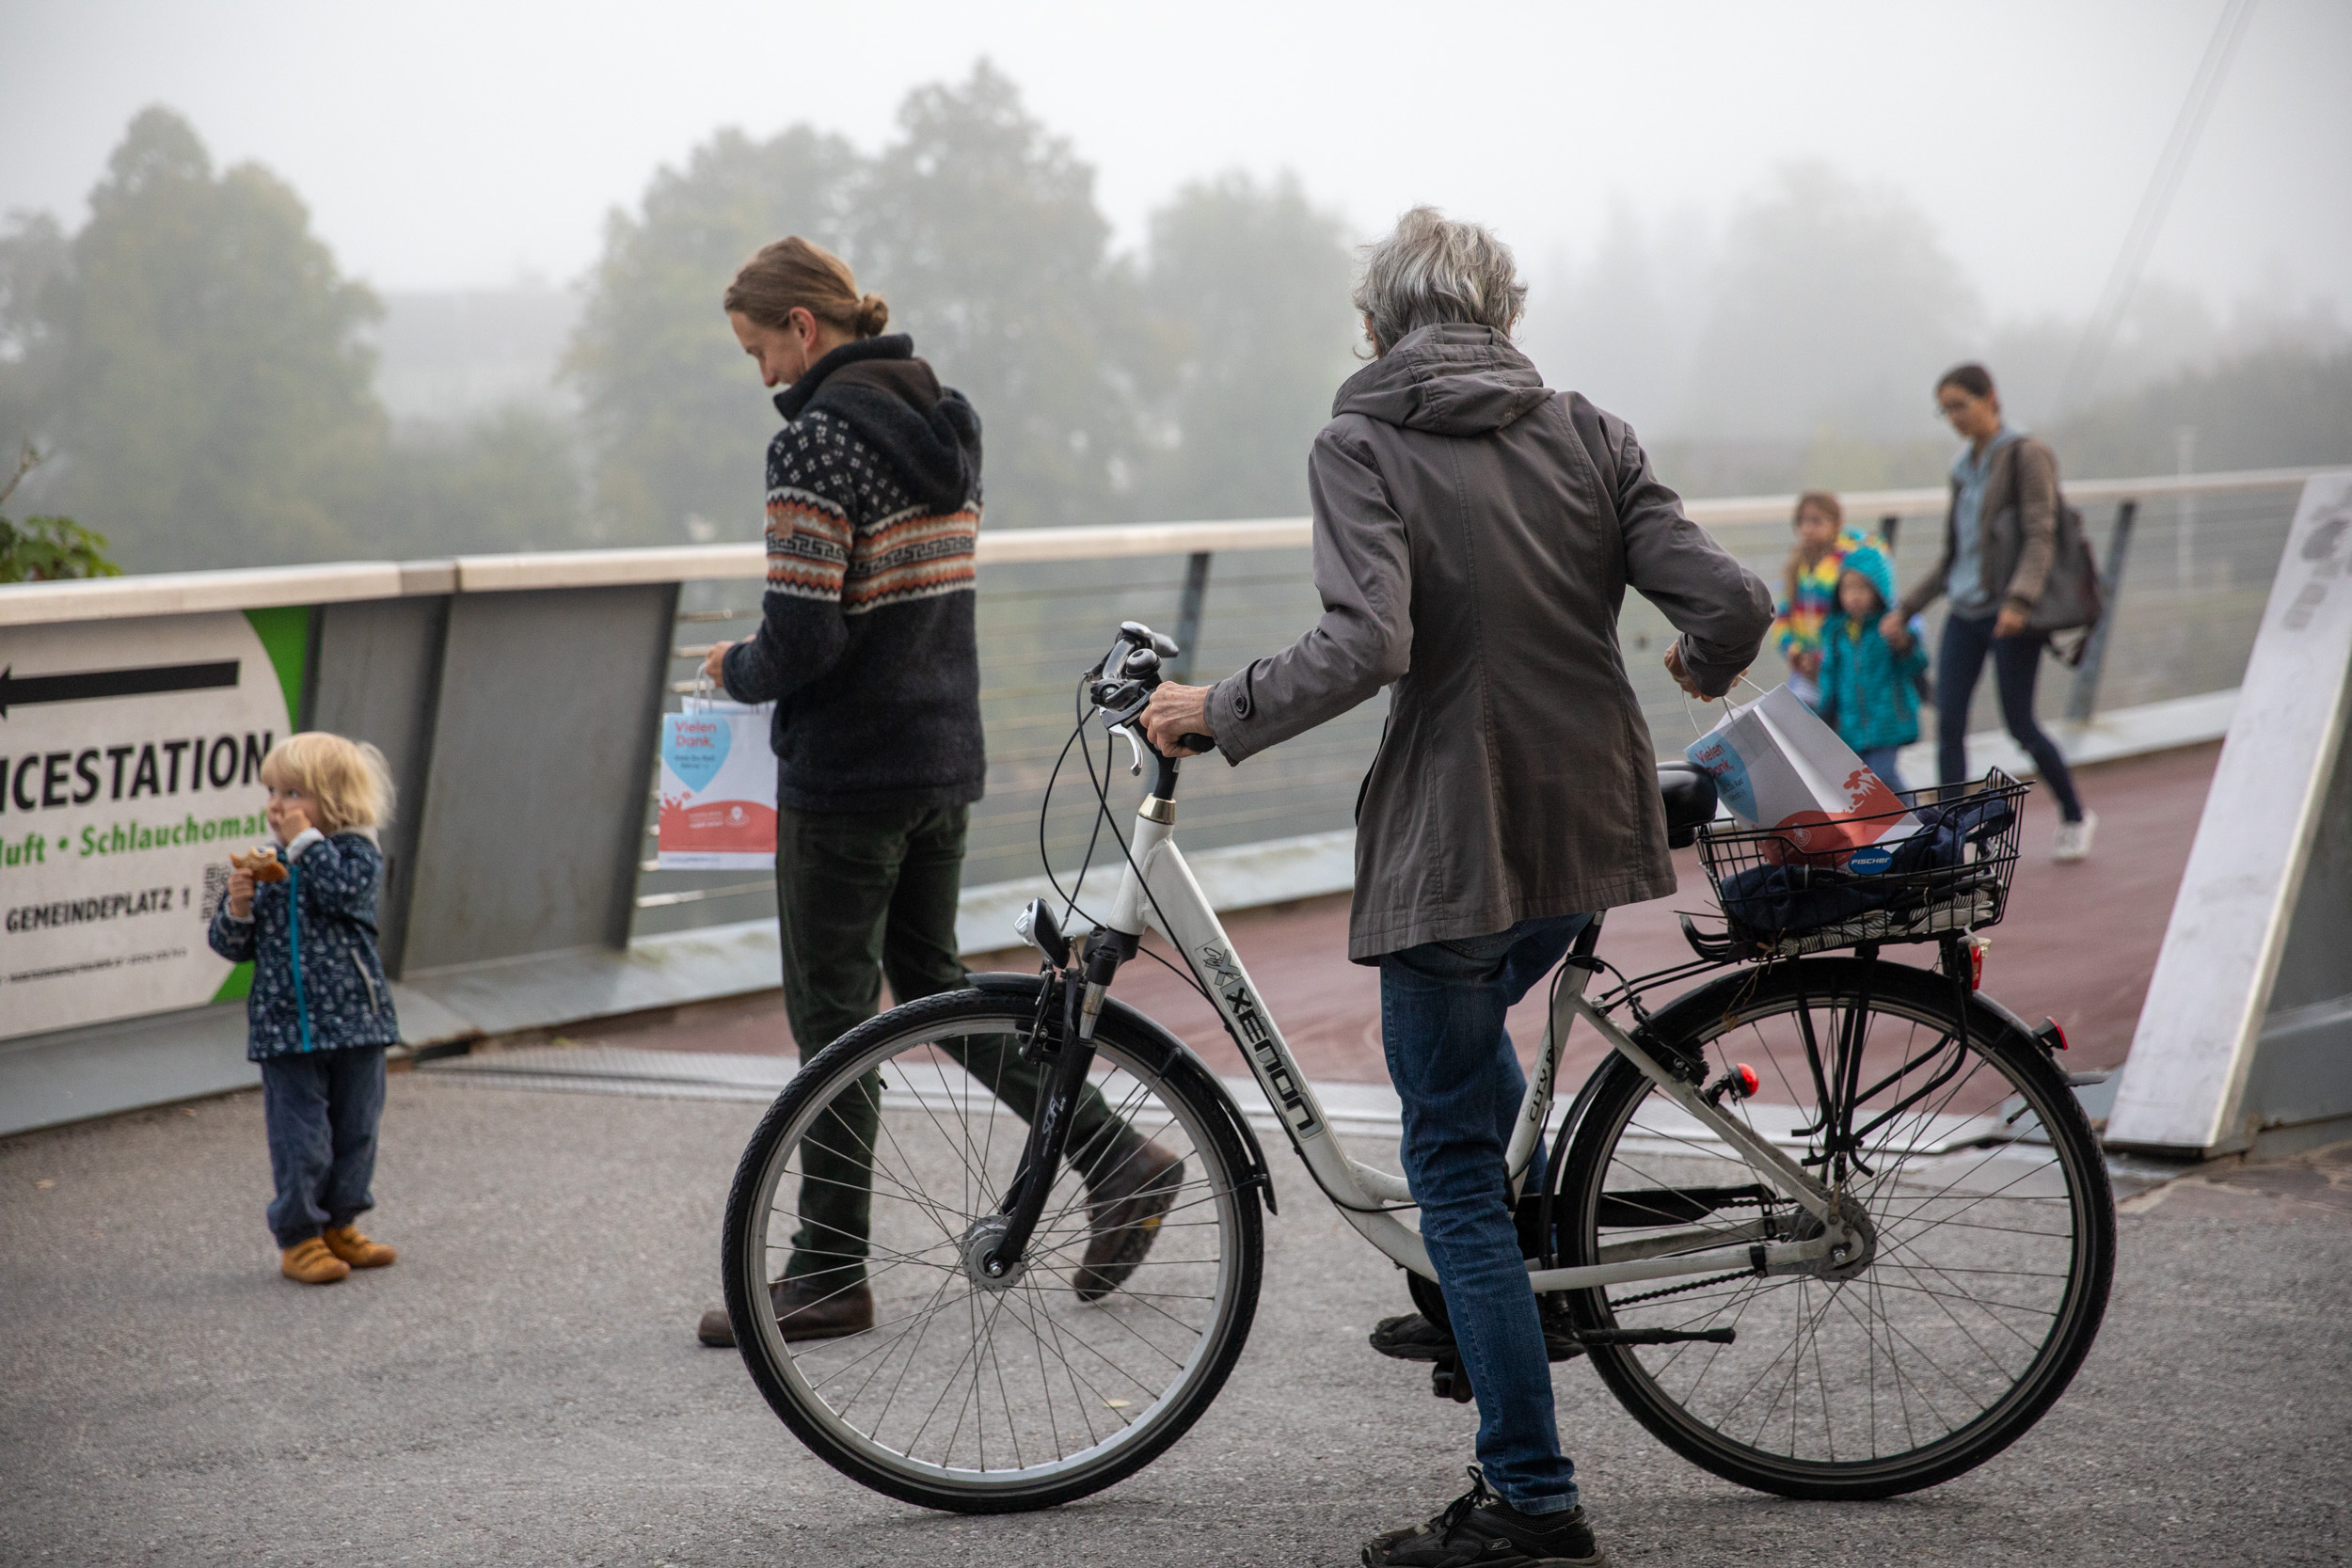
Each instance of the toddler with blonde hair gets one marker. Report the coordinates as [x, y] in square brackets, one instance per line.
[302, 911]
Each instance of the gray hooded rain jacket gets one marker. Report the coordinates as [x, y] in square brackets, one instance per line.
[1474, 535]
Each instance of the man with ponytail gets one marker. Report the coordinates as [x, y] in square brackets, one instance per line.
[868, 648]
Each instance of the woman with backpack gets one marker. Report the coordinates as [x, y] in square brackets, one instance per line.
[1995, 575]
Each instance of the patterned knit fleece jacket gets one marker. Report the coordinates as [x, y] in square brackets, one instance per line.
[866, 642]
[318, 984]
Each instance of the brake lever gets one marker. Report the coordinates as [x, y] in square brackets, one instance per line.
[1135, 748]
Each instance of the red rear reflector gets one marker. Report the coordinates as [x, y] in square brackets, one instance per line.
[1749, 1082]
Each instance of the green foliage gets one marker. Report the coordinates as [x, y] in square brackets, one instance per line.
[2275, 407]
[981, 231]
[1835, 304]
[1254, 281]
[1190, 385]
[679, 423]
[47, 549]
[512, 480]
[205, 383]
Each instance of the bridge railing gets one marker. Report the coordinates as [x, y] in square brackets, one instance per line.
[517, 700]
[2198, 558]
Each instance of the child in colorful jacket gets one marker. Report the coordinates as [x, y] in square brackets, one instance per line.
[1809, 589]
[1869, 684]
[320, 1012]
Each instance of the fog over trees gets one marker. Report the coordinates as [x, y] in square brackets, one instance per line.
[216, 392]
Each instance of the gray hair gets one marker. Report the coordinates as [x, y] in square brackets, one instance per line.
[1433, 269]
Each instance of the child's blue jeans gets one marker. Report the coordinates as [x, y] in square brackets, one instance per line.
[321, 1108]
[1441, 1008]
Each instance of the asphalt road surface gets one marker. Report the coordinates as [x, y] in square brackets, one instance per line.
[524, 1385]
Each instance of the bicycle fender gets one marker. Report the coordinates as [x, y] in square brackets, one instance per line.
[1178, 1060]
[1724, 995]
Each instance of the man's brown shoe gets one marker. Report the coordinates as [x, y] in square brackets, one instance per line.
[345, 1243]
[1127, 1206]
[805, 1310]
[309, 1263]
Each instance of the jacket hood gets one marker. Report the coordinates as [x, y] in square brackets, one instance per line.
[1448, 380]
[1872, 563]
[929, 435]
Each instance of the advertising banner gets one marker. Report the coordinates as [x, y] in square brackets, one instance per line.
[130, 766]
[718, 787]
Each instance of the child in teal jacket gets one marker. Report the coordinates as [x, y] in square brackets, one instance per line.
[1869, 686]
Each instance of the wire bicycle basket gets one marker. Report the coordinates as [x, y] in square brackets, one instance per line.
[1782, 892]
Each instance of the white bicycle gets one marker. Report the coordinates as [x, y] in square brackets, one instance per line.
[1859, 1268]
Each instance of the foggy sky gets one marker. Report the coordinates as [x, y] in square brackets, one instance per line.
[443, 144]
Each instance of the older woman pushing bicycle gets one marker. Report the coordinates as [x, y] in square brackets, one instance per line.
[1474, 535]
[1828, 1225]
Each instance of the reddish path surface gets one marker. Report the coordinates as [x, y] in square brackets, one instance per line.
[2079, 945]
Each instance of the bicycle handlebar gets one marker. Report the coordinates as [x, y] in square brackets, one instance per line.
[1124, 680]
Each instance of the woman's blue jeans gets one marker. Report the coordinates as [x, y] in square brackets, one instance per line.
[2017, 668]
[1442, 1011]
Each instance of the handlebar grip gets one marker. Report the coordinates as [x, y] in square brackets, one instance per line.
[1196, 742]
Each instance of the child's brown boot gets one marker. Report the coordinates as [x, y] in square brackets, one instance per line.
[345, 1243]
[309, 1263]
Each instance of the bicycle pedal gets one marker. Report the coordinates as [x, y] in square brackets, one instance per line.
[1448, 1380]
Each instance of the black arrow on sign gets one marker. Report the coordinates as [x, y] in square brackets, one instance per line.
[83, 686]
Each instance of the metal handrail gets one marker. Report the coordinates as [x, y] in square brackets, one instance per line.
[335, 582]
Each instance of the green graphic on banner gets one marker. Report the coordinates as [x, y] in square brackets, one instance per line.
[285, 634]
[239, 981]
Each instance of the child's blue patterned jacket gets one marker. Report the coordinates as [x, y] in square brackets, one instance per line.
[318, 984]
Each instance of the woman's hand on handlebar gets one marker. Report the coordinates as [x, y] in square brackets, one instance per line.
[1175, 712]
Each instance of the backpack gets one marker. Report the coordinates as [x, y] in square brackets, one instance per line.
[2071, 597]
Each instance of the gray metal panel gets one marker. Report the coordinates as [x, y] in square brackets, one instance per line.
[375, 674]
[535, 802]
[74, 1074]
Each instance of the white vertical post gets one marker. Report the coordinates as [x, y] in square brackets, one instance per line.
[2183, 1087]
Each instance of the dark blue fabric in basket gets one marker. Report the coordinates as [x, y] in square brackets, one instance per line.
[1802, 898]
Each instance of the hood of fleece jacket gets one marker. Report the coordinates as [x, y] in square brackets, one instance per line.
[1872, 563]
[929, 435]
[1448, 380]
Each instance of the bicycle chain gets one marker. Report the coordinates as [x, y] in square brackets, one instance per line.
[1677, 1290]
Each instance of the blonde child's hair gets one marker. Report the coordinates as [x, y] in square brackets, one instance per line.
[348, 780]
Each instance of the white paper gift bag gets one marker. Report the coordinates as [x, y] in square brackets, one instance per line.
[1777, 766]
[718, 786]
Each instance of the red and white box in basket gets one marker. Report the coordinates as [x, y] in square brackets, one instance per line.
[718, 787]
[1778, 766]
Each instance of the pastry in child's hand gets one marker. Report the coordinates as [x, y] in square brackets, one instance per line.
[263, 864]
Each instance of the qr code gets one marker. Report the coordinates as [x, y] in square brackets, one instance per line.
[216, 889]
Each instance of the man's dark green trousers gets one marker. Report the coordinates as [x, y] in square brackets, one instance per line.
[862, 896]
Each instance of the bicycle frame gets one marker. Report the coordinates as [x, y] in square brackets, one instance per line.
[1166, 894]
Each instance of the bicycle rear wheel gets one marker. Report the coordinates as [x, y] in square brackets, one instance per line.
[1990, 1218]
[968, 1393]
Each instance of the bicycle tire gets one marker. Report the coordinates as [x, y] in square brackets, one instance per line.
[2016, 1183]
[1079, 1437]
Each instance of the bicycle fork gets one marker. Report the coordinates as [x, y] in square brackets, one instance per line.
[1079, 993]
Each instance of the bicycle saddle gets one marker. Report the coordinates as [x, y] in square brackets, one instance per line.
[1688, 793]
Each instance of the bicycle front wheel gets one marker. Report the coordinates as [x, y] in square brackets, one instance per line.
[1988, 1221]
[881, 1169]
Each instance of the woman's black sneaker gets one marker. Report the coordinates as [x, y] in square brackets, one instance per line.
[1410, 1336]
[1478, 1530]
